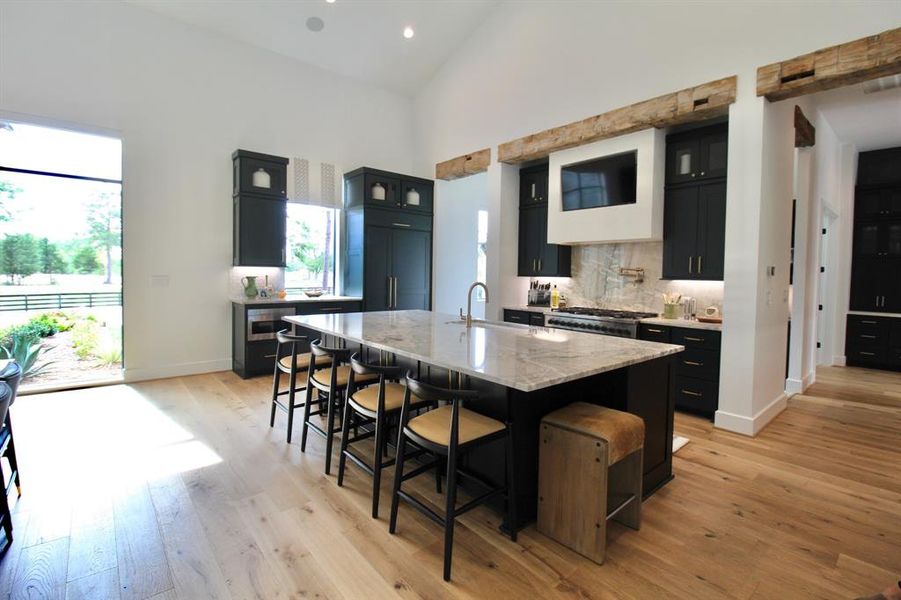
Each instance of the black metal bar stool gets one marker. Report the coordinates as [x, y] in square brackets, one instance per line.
[291, 363]
[449, 431]
[6, 396]
[11, 375]
[331, 380]
[375, 404]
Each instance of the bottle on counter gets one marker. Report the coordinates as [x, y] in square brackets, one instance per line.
[555, 298]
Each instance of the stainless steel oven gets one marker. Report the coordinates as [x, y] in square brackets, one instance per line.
[263, 323]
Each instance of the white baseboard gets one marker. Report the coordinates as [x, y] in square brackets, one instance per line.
[797, 386]
[750, 425]
[178, 370]
[838, 361]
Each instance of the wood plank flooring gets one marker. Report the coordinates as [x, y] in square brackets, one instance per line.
[178, 489]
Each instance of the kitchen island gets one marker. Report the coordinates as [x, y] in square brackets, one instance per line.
[522, 373]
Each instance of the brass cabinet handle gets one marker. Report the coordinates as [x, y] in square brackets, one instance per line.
[390, 282]
[690, 393]
[690, 259]
[693, 363]
[694, 339]
[395, 292]
[655, 330]
[700, 257]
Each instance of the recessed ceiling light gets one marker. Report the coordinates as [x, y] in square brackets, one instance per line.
[330, 1]
[315, 24]
[408, 32]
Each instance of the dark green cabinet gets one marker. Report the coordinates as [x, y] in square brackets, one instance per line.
[694, 221]
[876, 256]
[387, 249]
[536, 257]
[259, 174]
[259, 235]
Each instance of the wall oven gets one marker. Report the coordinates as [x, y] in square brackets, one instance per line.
[263, 323]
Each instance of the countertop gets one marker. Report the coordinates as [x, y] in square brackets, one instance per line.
[649, 320]
[516, 356]
[295, 299]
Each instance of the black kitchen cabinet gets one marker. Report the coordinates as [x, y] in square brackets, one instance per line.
[697, 154]
[387, 245]
[694, 228]
[260, 231]
[382, 189]
[259, 174]
[873, 342]
[696, 372]
[523, 317]
[876, 257]
[536, 257]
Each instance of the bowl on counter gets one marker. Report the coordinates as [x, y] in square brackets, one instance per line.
[313, 293]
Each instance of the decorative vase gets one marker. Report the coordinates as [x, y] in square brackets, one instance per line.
[250, 286]
[378, 191]
[412, 197]
[261, 179]
[671, 311]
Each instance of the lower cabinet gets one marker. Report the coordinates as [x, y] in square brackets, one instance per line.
[873, 342]
[524, 317]
[696, 372]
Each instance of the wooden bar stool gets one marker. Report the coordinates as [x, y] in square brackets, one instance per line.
[449, 431]
[6, 396]
[589, 472]
[330, 380]
[375, 404]
[290, 362]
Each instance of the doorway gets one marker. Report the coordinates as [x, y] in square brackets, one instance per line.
[60, 255]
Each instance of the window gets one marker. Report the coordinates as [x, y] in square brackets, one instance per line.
[311, 248]
[482, 264]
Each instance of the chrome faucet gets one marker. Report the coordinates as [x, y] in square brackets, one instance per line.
[468, 316]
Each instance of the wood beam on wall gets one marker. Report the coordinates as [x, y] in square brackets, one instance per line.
[837, 66]
[464, 166]
[805, 132]
[696, 103]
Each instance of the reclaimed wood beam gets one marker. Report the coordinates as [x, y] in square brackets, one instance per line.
[696, 103]
[805, 132]
[837, 66]
[464, 166]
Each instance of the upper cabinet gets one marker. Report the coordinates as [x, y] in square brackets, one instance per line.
[382, 189]
[694, 218]
[697, 154]
[259, 236]
[260, 174]
[537, 258]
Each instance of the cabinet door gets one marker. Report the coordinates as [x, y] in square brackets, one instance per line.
[711, 231]
[890, 239]
[714, 149]
[390, 188]
[868, 203]
[416, 195]
[891, 200]
[680, 233]
[411, 267]
[533, 187]
[682, 160]
[261, 231]
[260, 176]
[532, 233]
[377, 258]
[891, 292]
[867, 240]
[871, 281]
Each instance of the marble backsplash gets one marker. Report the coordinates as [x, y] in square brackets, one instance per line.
[596, 281]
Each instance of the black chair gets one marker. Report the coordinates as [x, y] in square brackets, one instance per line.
[290, 362]
[449, 431]
[11, 375]
[329, 381]
[6, 396]
[376, 404]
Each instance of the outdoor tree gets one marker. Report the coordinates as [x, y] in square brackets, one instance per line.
[308, 253]
[7, 192]
[19, 257]
[105, 227]
[85, 260]
[51, 260]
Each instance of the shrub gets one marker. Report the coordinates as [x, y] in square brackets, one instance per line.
[24, 351]
[84, 338]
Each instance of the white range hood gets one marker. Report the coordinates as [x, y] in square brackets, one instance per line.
[641, 221]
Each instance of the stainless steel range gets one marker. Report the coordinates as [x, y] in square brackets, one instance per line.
[620, 323]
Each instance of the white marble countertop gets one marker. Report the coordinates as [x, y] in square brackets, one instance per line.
[683, 323]
[301, 298]
[517, 356]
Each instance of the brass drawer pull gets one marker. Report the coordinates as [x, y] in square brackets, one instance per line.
[693, 363]
[690, 393]
[694, 339]
[655, 330]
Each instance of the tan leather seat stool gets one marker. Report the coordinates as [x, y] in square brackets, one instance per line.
[590, 471]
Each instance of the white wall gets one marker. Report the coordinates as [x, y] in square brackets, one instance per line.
[183, 100]
[456, 246]
[536, 65]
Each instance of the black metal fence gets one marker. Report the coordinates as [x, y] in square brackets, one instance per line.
[59, 301]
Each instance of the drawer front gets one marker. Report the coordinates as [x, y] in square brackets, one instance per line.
[260, 357]
[696, 394]
[872, 326]
[654, 333]
[397, 219]
[318, 308]
[866, 355]
[698, 362]
[536, 319]
[696, 338]
[517, 316]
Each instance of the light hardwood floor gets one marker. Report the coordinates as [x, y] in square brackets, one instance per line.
[178, 489]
